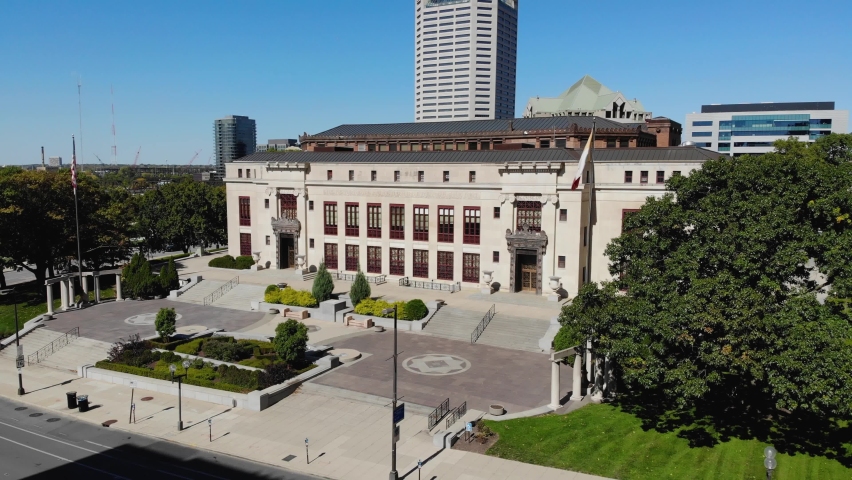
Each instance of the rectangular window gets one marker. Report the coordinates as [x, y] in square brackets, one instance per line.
[446, 224]
[248, 173]
[563, 214]
[495, 257]
[245, 244]
[661, 176]
[472, 225]
[352, 222]
[329, 174]
[585, 236]
[470, 267]
[373, 176]
[268, 240]
[702, 123]
[239, 173]
[421, 223]
[623, 143]
[702, 134]
[330, 218]
[445, 265]
[628, 176]
[396, 176]
[374, 259]
[643, 176]
[266, 203]
[397, 261]
[311, 205]
[446, 176]
[374, 220]
[351, 175]
[529, 215]
[331, 256]
[289, 206]
[311, 243]
[245, 211]
[421, 176]
[610, 143]
[397, 222]
[496, 212]
[471, 177]
[561, 261]
[421, 264]
[352, 257]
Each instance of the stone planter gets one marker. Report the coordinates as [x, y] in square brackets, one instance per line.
[496, 410]
[300, 262]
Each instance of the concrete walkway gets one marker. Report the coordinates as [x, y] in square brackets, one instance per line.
[348, 439]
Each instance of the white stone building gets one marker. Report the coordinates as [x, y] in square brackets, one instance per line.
[446, 217]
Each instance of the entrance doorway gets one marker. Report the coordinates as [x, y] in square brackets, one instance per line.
[526, 273]
[286, 251]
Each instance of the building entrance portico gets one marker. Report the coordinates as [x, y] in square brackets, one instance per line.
[526, 249]
[287, 232]
[527, 273]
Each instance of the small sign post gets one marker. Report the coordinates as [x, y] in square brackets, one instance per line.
[399, 413]
[468, 430]
[131, 418]
[307, 455]
[419, 467]
[210, 425]
[19, 359]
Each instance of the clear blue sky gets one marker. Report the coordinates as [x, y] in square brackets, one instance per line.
[306, 66]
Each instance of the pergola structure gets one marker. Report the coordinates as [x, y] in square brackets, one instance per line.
[598, 371]
[66, 287]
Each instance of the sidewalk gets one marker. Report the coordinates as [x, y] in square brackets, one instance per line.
[348, 439]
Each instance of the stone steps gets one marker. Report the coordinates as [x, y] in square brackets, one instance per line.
[79, 351]
[240, 297]
[197, 293]
[504, 331]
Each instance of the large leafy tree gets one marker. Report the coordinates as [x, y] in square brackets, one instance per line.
[732, 288]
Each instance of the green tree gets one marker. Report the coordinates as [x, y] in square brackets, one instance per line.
[137, 280]
[722, 276]
[165, 323]
[360, 288]
[291, 339]
[169, 277]
[323, 284]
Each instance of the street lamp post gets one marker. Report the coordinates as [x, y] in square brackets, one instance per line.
[17, 337]
[393, 473]
[769, 461]
[173, 369]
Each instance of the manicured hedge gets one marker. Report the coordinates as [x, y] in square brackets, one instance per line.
[242, 262]
[160, 375]
[411, 310]
[289, 296]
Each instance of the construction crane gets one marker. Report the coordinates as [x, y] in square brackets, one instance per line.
[193, 158]
[99, 159]
[135, 160]
[210, 160]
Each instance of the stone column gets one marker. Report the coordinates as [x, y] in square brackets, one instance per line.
[577, 393]
[63, 294]
[97, 288]
[84, 284]
[50, 299]
[554, 385]
[589, 363]
[118, 287]
[597, 396]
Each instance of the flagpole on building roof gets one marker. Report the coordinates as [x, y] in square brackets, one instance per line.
[83, 294]
[591, 184]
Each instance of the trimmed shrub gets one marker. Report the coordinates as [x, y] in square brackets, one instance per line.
[239, 376]
[416, 309]
[291, 339]
[244, 262]
[190, 348]
[295, 298]
[270, 289]
[225, 350]
[169, 278]
[165, 323]
[273, 296]
[360, 289]
[323, 284]
[376, 307]
[137, 280]
[275, 374]
[165, 375]
[223, 262]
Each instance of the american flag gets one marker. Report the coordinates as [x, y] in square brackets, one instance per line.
[74, 164]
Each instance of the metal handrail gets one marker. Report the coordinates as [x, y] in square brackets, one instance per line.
[403, 282]
[221, 291]
[445, 287]
[439, 413]
[350, 277]
[53, 346]
[456, 414]
[477, 332]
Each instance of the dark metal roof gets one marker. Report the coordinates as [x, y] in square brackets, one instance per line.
[470, 126]
[489, 156]
[766, 107]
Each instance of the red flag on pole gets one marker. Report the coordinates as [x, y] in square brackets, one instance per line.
[581, 166]
[74, 164]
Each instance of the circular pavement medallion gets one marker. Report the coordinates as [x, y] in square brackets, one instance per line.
[145, 319]
[436, 364]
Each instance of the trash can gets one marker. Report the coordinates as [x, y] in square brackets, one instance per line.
[72, 400]
[83, 403]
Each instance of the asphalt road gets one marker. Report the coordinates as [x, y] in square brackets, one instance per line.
[36, 444]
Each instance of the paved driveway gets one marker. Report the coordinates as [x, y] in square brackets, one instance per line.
[113, 320]
[439, 368]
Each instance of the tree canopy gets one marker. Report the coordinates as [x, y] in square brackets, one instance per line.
[733, 287]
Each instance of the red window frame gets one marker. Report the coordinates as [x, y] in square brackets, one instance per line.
[245, 211]
[495, 257]
[445, 265]
[245, 244]
[420, 261]
[446, 223]
[374, 259]
[397, 222]
[397, 261]
[352, 260]
[472, 225]
[561, 261]
[374, 220]
[330, 257]
[470, 267]
[643, 177]
[330, 174]
[289, 206]
[421, 222]
[330, 218]
[628, 176]
[529, 214]
[352, 220]
[661, 176]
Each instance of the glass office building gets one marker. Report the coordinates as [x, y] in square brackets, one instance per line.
[234, 137]
[753, 128]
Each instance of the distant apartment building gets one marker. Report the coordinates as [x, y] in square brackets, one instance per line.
[235, 137]
[752, 128]
[277, 145]
[54, 162]
[588, 97]
[465, 59]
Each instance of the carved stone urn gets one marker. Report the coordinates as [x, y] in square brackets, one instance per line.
[486, 276]
[555, 286]
[255, 256]
[300, 262]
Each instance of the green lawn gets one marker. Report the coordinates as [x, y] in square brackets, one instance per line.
[603, 440]
[31, 303]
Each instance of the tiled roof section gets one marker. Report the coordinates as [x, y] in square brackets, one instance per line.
[471, 126]
[489, 156]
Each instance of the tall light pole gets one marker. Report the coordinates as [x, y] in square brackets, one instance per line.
[173, 369]
[17, 339]
[393, 474]
[769, 461]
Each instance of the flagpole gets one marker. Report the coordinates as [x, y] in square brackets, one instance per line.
[591, 205]
[83, 295]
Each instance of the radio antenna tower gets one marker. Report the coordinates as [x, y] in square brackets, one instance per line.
[80, 111]
[112, 101]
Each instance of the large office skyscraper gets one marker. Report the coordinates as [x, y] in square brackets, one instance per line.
[465, 59]
[235, 137]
